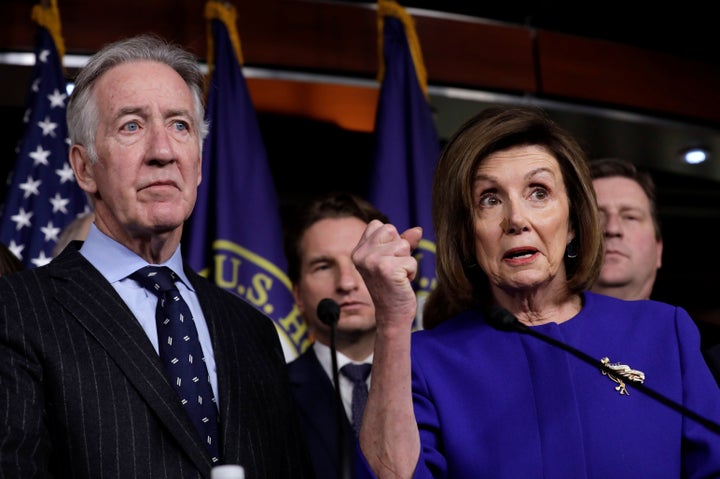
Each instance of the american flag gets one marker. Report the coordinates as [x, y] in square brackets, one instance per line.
[42, 196]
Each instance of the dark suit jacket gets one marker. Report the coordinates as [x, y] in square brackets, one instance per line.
[83, 393]
[315, 397]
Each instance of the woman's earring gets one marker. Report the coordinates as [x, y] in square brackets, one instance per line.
[469, 263]
[571, 251]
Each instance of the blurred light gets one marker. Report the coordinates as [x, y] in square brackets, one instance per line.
[695, 156]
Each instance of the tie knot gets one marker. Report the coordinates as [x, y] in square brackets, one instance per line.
[157, 279]
[356, 372]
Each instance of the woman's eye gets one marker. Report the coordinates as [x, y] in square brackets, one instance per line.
[488, 200]
[540, 194]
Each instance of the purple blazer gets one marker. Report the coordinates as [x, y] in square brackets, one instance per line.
[497, 404]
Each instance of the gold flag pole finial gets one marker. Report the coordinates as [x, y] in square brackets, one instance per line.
[392, 8]
[226, 13]
[46, 14]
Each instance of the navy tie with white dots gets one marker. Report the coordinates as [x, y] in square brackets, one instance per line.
[181, 354]
[358, 374]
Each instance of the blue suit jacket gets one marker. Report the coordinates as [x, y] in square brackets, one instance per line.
[84, 395]
[315, 396]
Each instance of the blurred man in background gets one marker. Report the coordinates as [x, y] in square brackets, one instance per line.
[633, 240]
[318, 245]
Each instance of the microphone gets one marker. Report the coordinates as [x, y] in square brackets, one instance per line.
[328, 311]
[503, 320]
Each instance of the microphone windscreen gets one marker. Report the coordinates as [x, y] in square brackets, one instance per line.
[328, 311]
[504, 320]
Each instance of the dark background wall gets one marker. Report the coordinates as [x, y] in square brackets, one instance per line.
[639, 86]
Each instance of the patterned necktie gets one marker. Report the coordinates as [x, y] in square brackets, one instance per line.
[181, 353]
[358, 374]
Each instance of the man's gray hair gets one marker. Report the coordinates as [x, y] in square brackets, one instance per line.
[82, 111]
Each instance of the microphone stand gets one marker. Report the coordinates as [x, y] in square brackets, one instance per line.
[503, 319]
[328, 312]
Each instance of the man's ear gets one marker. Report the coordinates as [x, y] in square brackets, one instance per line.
[83, 169]
[296, 297]
[199, 180]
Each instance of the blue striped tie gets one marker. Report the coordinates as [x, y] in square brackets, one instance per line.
[181, 353]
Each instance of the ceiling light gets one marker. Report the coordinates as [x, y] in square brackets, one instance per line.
[695, 156]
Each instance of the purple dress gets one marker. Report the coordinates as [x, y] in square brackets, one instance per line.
[497, 404]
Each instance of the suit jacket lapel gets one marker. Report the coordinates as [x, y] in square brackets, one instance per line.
[316, 395]
[85, 294]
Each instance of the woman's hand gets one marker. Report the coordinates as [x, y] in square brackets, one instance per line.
[384, 259]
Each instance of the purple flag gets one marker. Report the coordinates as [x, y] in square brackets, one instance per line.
[406, 151]
[234, 236]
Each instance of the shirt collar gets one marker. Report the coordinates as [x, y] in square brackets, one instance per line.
[323, 353]
[116, 262]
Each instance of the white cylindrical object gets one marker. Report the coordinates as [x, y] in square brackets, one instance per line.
[227, 471]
